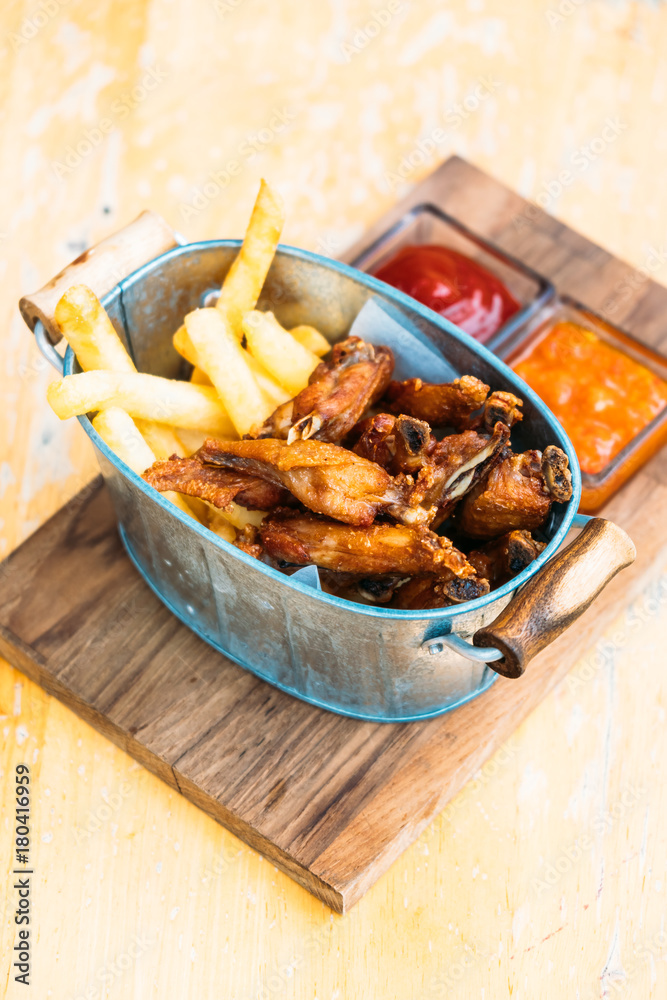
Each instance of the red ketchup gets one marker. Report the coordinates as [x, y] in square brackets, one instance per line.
[453, 285]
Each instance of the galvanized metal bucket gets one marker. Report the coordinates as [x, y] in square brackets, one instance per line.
[367, 662]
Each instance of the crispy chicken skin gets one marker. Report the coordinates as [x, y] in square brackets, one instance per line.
[505, 557]
[447, 405]
[248, 541]
[218, 486]
[338, 393]
[423, 593]
[458, 462]
[372, 551]
[398, 444]
[503, 406]
[323, 477]
[357, 587]
[517, 494]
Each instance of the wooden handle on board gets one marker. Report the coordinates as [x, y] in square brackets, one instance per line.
[557, 596]
[101, 267]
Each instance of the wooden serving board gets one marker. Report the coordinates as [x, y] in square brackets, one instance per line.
[330, 800]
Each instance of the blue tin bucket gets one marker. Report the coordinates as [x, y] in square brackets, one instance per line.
[367, 662]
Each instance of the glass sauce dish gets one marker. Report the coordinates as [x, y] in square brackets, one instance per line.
[608, 390]
[426, 226]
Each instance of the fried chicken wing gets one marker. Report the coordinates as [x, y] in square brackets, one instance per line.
[447, 405]
[369, 551]
[356, 587]
[324, 477]
[503, 406]
[218, 486]
[248, 541]
[423, 593]
[338, 393]
[457, 463]
[517, 494]
[399, 444]
[505, 557]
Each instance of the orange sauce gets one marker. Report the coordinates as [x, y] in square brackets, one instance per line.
[602, 397]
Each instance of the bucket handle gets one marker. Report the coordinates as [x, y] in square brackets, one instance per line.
[556, 596]
[101, 267]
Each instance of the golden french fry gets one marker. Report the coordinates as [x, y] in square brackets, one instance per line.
[274, 392]
[243, 284]
[209, 515]
[221, 525]
[90, 333]
[312, 339]
[184, 346]
[147, 397]
[193, 440]
[161, 439]
[288, 361]
[222, 358]
[118, 430]
[199, 377]
[240, 516]
[271, 389]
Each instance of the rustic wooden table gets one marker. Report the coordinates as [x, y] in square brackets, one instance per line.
[546, 876]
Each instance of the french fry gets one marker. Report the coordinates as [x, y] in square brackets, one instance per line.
[222, 358]
[88, 330]
[243, 284]
[286, 359]
[240, 516]
[199, 377]
[192, 440]
[161, 439]
[271, 389]
[221, 526]
[184, 346]
[273, 392]
[311, 339]
[211, 517]
[90, 333]
[147, 397]
[117, 429]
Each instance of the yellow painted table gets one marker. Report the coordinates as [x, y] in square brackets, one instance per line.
[546, 877]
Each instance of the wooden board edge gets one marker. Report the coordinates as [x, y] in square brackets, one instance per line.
[287, 863]
[353, 884]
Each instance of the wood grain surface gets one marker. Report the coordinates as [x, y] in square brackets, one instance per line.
[331, 801]
[545, 877]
